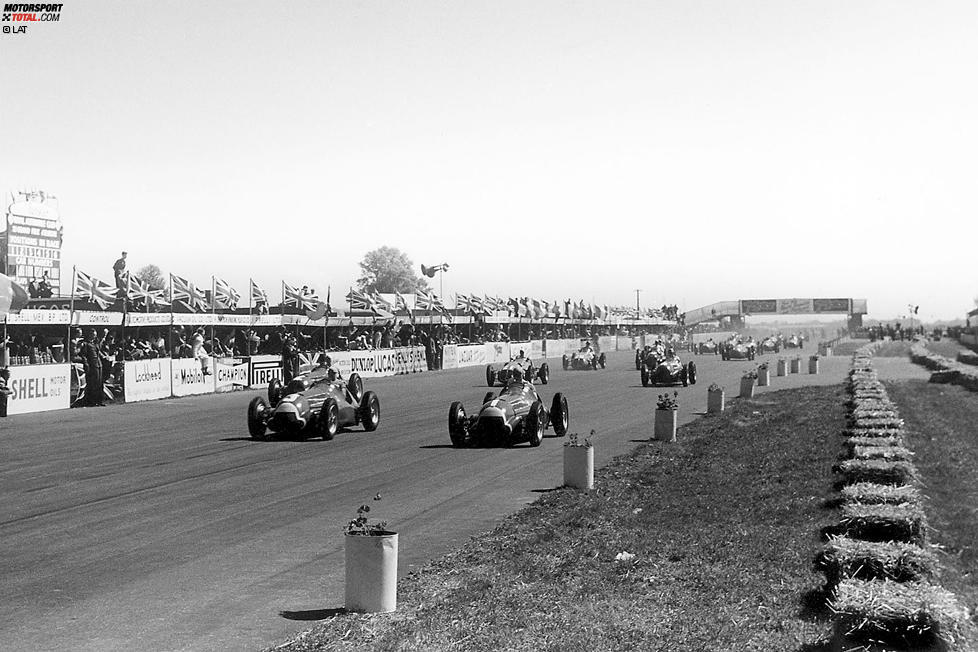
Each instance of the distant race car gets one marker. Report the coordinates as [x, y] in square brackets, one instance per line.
[315, 404]
[516, 415]
[794, 342]
[523, 366]
[738, 351]
[708, 347]
[770, 345]
[668, 371]
[585, 358]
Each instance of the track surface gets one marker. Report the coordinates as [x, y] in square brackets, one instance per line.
[162, 526]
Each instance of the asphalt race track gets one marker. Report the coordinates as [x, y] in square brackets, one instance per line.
[163, 526]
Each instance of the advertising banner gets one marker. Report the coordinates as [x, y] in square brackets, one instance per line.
[758, 306]
[795, 306]
[95, 318]
[40, 317]
[606, 343]
[145, 380]
[449, 356]
[38, 388]
[230, 374]
[148, 319]
[536, 349]
[831, 305]
[263, 369]
[498, 351]
[470, 355]
[190, 376]
[388, 362]
[554, 348]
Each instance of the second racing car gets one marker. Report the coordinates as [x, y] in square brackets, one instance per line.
[668, 370]
[584, 358]
[314, 404]
[523, 365]
[516, 415]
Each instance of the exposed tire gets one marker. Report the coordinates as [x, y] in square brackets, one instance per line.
[638, 360]
[535, 423]
[645, 376]
[456, 424]
[565, 362]
[256, 418]
[355, 385]
[544, 373]
[684, 377]
[328, 421]
[691, 372]
[370, 411]
[275, 392]
[488, 397]
[490, 376]
[602, 360]
[559, 414]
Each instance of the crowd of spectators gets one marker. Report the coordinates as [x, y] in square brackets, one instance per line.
[895, 331]
[40, 289]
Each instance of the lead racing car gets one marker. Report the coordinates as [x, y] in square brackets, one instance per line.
[668, 370]
[521, 364]
[770, 345]
[738, 350]
[314, 404]
[515, 416]
[584, 358]
[795, 342]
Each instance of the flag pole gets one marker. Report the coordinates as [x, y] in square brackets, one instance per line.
[213, 307]
[71, 312]
[251, 292]
[169, 331]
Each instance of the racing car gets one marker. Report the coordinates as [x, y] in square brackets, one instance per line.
[707, 347]
[584, 358]
[521, 364]
[516, 415]
[739, 350]
[649, 355]
[668, 370]
[795, 342]
[314, 404]
[770, 345]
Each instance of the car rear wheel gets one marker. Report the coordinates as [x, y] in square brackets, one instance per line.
[645, 376]
[275, 392]
[490, 376]
[565, 362]
[602, 360]
[355, 385]
[691, 372]
[328, 421]
[544, 373]
[370, 411]
[456, 424]
[257, 416]
[535, 423]
[559, 414]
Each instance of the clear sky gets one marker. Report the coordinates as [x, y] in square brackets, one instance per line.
[699, 151]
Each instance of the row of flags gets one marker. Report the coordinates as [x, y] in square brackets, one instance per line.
[223, 296]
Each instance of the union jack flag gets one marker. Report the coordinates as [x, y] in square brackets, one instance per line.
[225, 296]
[183, 290]
[138, 290]
[94, 289]
[296, 297]
[258, 295]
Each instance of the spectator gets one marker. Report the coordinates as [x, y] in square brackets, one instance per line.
[5, 391]
[44, 289]
[119, 271]
[32, 290]
[92, 360]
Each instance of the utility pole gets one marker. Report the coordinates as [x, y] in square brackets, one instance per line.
[638, 306]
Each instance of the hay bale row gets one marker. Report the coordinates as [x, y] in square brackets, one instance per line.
[872, 493]
[945, 369]
[913, 615]
[879, 575]
[968, 357]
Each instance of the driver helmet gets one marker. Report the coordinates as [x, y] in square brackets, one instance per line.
[331, 374]
[670, 352]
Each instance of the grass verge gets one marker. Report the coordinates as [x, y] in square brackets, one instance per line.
[720, 525]
[940, 429]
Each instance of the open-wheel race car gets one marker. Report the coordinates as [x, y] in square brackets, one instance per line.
[668, 370]
[708, 347]
[315, 404]
[794, 342]
[769, 345]
[738, 351]
[515, 416]
[521, 366]
[584, 358]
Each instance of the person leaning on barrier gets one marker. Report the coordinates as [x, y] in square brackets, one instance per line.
[5, 390]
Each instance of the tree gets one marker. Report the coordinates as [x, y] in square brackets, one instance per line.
[388, 269]
[152, 276]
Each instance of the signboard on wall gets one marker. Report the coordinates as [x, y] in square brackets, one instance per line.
[38, 388]
[30, 241]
